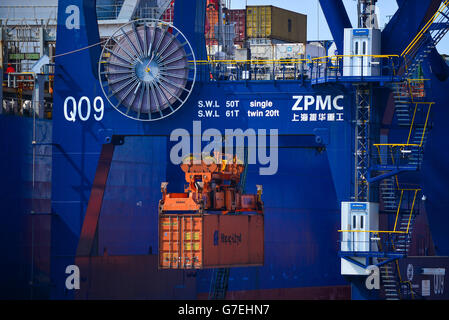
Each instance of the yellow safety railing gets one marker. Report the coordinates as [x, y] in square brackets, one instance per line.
[394, 231]
[337, 58]
[278, 69]
[412, 125]
[254, 61]
[430, 104]
[379, 56]
[424, 29]
[373, 231]
[328, 66]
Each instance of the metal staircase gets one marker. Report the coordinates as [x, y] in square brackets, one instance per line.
[388, 195]
[402, 104]
[400, 202]
[388, 276]
[393, 285]
[419, 139]
[405, 239]
[426, 40]
[412, 112]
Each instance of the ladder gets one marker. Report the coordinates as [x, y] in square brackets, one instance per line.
[219, 285]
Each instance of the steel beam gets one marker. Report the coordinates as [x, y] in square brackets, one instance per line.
[90, 224]
[337, 18]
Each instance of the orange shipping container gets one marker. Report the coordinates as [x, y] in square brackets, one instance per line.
[193, 241]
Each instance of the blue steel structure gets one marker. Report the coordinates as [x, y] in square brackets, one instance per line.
[105, 181]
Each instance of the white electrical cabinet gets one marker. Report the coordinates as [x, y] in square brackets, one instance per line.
[357, 218]
[360, 45]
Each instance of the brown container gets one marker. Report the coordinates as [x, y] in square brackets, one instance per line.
[196, 241]
[276, 23]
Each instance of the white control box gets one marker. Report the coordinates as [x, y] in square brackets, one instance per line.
[357, 219]
[360, 45]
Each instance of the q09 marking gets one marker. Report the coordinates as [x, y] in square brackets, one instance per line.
[82, 109]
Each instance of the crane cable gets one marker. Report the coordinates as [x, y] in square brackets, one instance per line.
[81, 49]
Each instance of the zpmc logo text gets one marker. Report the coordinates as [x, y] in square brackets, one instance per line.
[318, 103]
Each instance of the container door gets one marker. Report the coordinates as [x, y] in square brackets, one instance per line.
[169, 255]
[360, 238]
[365, 60]
[192, 244]
[180, 242]
[356, 59]
[354, 236]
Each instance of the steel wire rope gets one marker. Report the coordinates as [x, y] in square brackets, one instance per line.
[80, 49]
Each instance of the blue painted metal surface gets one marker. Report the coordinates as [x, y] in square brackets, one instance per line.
[302, 201]
[24, 205]
[337, 19]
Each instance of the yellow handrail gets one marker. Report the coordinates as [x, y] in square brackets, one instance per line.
[399, 210]
[260, 61]
[425, 125]
[373, 231]
[395, 145]
[411, 211]
[381, 56]
[424, 29]
[397, 216]
[412, 124]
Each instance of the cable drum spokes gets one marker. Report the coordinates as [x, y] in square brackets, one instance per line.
[147, 69]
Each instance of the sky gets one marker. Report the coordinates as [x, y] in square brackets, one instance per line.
[317, 28]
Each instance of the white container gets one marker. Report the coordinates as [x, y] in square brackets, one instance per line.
[315, 50]
[262, 52]
[242, 54]
[289, 51]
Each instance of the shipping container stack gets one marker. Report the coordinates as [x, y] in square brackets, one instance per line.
[254, 26]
